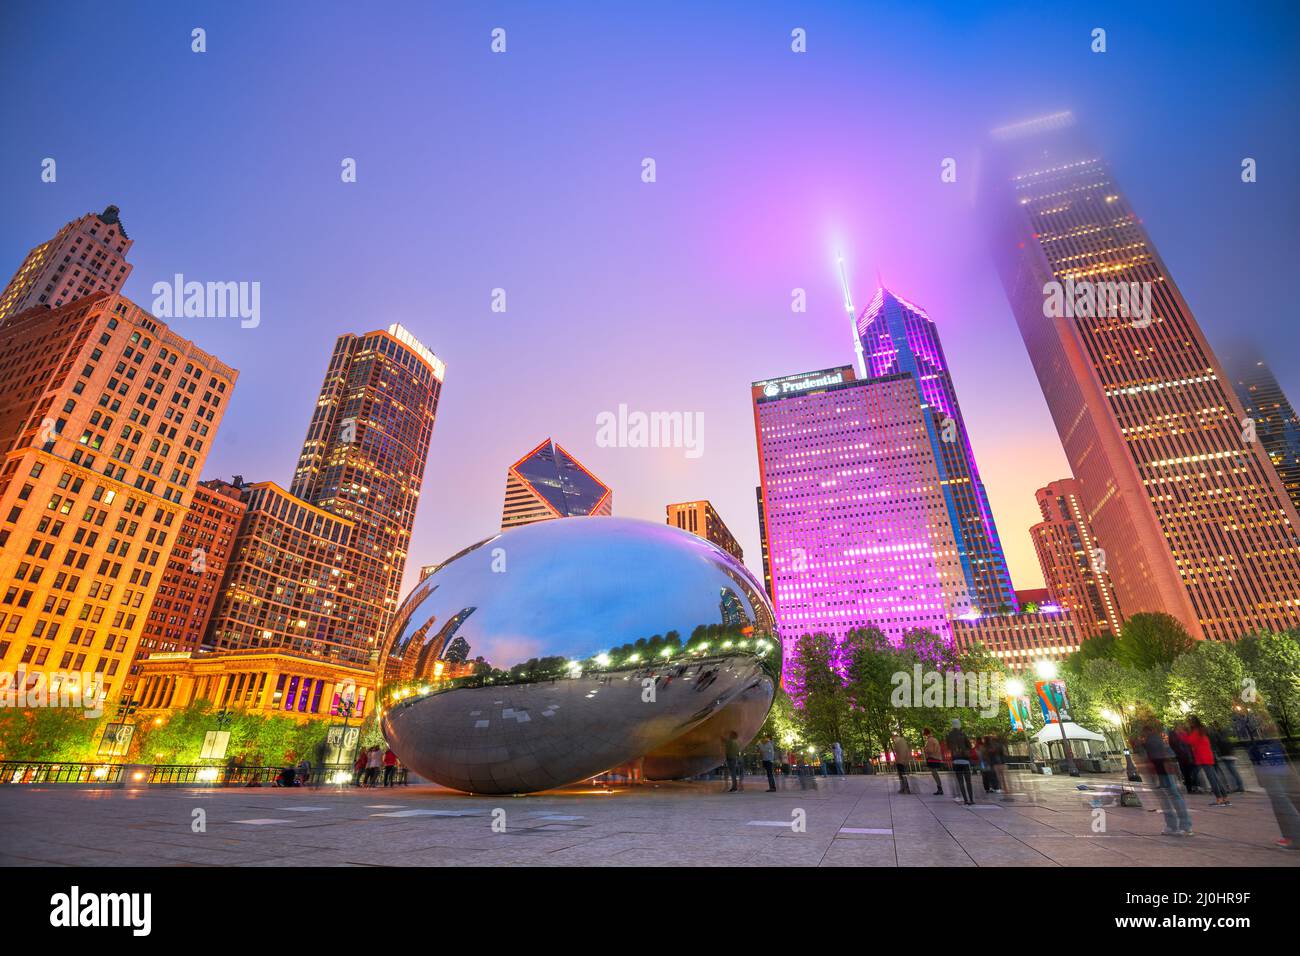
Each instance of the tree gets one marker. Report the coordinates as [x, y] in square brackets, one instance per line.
[1272, 663]
[1208, 679]
[782, 723]
[870, 662]
[48, 733]
[1152, 639]
[819, 690]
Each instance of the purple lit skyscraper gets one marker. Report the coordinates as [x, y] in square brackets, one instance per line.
[897, 337]
[858, 523]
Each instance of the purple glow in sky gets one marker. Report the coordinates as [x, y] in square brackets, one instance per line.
[522, 171]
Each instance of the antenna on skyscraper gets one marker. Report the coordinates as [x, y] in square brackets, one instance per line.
[853, 319]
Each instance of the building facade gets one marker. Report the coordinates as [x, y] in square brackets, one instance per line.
[179, 615]
[762, 542]
[549, 483]
[365, 454]
[700, 518]
[267, 682]
[1020, 639]
[1193, 519]
[87, 255]
[294, 584]
[1074, 567]
[106, 419]
[1274, 420]
[897, 337]
[859, 527]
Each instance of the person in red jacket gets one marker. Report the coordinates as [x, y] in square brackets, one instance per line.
[390, 766]
[1203, 759]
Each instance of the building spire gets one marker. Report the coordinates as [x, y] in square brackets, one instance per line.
[853, 319]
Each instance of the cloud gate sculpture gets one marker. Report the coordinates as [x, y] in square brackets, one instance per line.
[556, 651]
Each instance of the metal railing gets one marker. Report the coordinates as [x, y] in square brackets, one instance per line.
[46, 771]
[211, 775]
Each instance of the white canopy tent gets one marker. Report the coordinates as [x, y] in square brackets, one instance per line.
[1051, 734]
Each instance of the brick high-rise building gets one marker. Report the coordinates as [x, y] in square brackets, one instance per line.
[700, 518]
[1193, 518]
[295, 583]
[106, 418]
[192, 579]
[366, 450]
[549, 483]
[1074, 567]
[85, 256]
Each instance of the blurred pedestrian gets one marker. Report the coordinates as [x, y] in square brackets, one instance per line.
[734, 766]
[959, 746]
[1183, 757]
[1279, 780]
[374, 761]
[1224, 753]
[767, 750]
[933, 758]
[1150, 745]
[359, 770]
[997, 751]
[390, 766]
[902, 757]
[838, 751]
[1198, 742]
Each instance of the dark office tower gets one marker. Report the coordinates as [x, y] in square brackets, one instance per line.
[762, 540]
[366, 448]
[1275, 423]
[898, 338]
[85, 256]
[1191, 517]
[549, 483]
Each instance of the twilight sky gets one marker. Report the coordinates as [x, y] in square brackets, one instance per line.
[522, 171]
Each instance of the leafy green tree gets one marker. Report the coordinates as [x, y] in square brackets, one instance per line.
[820, 690]
[1152, 639]
[1272, 663]
[1208, 679]
[49, 733]
[783, 723]
[870, 664]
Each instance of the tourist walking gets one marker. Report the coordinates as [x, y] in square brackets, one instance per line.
[390, 766]
[767, 751]
[734, 767]
[359, 770]
[838, 751]
[902, 757]
[374, 762]
[1198, 742]
[1183, 757]
[959, 747]
[1227, 760]
[933, 758]
[1279, 780]
[1151, 746]
[997, 750]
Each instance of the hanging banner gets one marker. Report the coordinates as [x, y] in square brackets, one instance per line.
[1018, 708]
[1053, 701]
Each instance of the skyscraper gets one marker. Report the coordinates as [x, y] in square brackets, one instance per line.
[859, 526]
[700, 518]
[1194, 520]
[86, 255]
[1074, 567]
[366, 449]
[548, 483]
[106, 418]
[898, 337]
[192, 578]
[762, 541]
[1275, 422]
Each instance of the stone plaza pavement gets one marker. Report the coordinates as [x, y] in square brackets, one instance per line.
[850, 821]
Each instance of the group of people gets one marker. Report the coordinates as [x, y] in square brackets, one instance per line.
[988, 754]
[370, 763]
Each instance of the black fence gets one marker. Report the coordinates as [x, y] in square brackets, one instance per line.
[45, 771]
